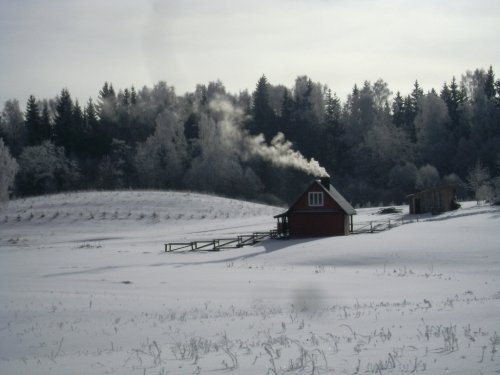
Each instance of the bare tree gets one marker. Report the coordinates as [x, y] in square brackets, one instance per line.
[479, 181]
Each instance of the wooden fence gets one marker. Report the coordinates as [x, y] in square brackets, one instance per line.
[222, 243]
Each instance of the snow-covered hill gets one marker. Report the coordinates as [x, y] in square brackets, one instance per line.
[85, 288]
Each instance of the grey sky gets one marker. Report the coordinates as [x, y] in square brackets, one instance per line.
[50, 44]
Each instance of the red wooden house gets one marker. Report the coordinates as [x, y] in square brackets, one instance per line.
[320, 211]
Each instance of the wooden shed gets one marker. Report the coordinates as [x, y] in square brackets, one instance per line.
[435, 200]
[320, 211]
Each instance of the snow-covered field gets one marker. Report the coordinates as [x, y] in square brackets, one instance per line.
[85, 288]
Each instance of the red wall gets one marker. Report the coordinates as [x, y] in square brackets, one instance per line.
[317, 224]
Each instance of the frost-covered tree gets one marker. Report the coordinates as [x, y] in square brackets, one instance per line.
[12, 127]
[381, 94]
[370, 144]
[160, 161]
[459, 185]
[219, 167]
[434, 141]
[309, 99]
[8, 169]
[479, 181]
[496, 188]
[45, 169]
[427, 177]
[116, 169]
[216, 168]
[403, 177]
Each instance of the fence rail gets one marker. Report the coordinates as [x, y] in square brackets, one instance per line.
[373, 226]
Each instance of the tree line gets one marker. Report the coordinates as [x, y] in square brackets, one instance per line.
[378, 146]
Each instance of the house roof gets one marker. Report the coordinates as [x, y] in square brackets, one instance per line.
[343, 203]
[333, 193]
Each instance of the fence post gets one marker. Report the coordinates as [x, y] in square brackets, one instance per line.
[371, 226]
[389, 223]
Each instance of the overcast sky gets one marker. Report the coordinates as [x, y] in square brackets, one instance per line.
[50, 44]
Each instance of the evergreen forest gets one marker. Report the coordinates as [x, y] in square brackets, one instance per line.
[266, 145]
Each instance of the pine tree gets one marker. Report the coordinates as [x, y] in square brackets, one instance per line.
[125, 98]
[78, 133]
[33, 122]
[63, 122]
[264, 118]
[445, 93]
[352, 105]
[97, 143]
[45, 125]
[410, 113]
[416, 95]
[333, 109]
[489, 85]
[398, 111]
[333, 139]
[107, 104]
[133, 96]
[286, 119]
[412, 107]
[497, 97]
[455, 99]
[108, 117]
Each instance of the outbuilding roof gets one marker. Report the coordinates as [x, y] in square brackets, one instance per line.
[435, 188]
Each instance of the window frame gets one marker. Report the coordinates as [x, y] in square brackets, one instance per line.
[316, 199]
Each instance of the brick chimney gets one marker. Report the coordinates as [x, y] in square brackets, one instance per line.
[325, 181]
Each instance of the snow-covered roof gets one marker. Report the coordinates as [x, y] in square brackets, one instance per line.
[342, 202]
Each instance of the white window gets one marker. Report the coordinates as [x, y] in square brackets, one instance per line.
[315, 198]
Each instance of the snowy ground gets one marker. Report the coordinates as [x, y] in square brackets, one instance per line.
[85, 288]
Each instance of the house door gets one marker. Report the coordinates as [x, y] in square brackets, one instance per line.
[417, 205]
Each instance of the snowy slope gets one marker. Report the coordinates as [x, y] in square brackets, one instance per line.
[85, 288]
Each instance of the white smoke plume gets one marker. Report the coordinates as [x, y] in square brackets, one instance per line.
[280, 152]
